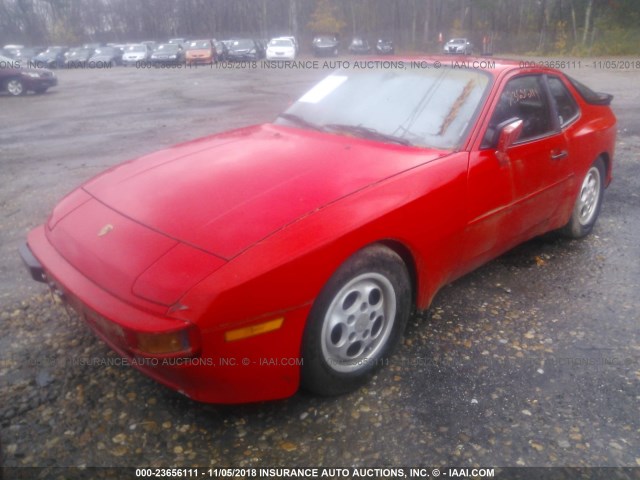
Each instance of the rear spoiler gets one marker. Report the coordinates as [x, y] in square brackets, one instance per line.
[602, 99]
[589, 96]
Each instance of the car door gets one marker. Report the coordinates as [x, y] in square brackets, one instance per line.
[513, 199]
[539, 158]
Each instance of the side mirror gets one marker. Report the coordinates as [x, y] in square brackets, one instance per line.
[509, 133]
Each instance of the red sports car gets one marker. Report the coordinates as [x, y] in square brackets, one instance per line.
[237, 267]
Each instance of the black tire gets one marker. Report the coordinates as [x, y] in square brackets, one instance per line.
[356, 322]
[588, 202]
[15, 87]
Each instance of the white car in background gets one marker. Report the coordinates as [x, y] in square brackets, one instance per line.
[281, 49]
[460, 46]
[135, 52]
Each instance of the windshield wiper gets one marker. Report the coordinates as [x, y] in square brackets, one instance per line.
[366, 132]
[301, 121]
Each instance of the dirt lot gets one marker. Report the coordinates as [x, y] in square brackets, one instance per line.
[533, 360]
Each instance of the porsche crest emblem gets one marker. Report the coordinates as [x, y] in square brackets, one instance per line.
[104, 230]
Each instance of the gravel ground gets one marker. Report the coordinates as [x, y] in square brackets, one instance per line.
[532, 360]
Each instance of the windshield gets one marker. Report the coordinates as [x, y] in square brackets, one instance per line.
[280, 42]
[199, 45]
[242, 44]
[136, 48]
[458, 40]
[318, 40]
[79, 53]
[168, 48]
[105, 51]
[6, 62]
[51, 51]
[427, 108]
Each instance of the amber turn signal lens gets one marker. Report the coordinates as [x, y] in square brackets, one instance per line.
[163, 343]
[253, 330]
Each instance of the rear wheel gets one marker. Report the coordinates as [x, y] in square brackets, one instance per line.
[588, 204]
[40, 90]
[356, 321]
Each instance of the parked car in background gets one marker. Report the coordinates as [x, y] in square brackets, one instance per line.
[106, 56]
[200, 52]
[167, 53]
[281, 49]
[134, 53]
[359, 46]
[16, 79]
[244, 49]
[324, 45]
[222, 52]
[11, 50]
[460, 46]
[378, 187]
[293, 40]
[78, 57]
[26, 55]
[52, 57]
[385, 46]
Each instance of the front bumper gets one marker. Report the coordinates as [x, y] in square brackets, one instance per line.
[280, 56]
[33, 265]
[167, 61]
[243, 57]
[324, 51]
[221, 372]
[133, 61]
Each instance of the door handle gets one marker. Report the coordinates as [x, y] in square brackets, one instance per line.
[555, 155]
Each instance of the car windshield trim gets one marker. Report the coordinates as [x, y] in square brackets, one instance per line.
[367, 132]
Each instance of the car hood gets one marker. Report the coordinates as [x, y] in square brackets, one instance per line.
[226, 192]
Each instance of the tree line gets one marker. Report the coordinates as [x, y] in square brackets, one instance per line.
[536, 26]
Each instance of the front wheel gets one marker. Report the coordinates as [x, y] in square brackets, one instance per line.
[16, 87]
[356, 321]
[587, 206]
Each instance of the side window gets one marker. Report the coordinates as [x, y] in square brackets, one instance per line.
[565, 103]
[523, 98]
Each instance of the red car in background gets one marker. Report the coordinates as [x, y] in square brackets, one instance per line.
[16, 78]
[237, 267]
[200, 52]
